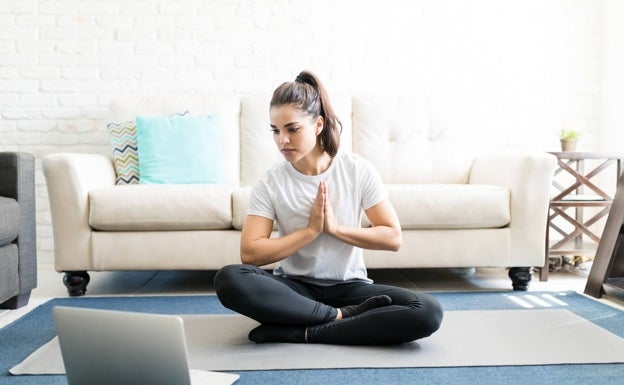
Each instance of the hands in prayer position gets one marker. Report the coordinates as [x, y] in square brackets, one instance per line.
[322, 218]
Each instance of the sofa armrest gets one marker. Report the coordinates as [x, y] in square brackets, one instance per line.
[17, 181]
[528, 175]
[69, 178]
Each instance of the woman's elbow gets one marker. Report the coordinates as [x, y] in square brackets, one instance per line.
[247, 257]
[395, 245]
[396, 241]
[390, 239]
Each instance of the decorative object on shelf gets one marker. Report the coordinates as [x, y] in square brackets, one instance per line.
[569, 138]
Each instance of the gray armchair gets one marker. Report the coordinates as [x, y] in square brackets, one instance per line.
[18, 246]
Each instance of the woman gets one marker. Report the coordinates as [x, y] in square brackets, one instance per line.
[320, 292]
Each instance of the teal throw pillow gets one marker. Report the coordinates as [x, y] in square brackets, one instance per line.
[179, 149]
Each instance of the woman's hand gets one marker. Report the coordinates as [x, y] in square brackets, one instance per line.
[322, 219]
[317, 214]
[330, 224]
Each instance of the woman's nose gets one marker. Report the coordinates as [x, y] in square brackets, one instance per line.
[283, 138]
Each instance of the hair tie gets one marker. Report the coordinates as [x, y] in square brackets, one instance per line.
[299, 79]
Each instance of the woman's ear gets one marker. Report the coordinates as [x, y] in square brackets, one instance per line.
[319, 125]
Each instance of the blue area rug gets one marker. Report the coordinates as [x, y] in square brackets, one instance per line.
[21, 338]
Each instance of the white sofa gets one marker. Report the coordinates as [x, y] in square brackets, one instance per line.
[457, 208]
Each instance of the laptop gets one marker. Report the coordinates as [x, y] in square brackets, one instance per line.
[114, 347]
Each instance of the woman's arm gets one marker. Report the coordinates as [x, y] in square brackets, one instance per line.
[384, 233]
[259, 249]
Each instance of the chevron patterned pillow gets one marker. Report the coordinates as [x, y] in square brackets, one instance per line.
[123, 137]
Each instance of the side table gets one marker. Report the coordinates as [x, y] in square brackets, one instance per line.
[607, 273]
[578, 192]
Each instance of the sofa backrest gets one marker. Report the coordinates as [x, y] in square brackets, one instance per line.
[395, 134]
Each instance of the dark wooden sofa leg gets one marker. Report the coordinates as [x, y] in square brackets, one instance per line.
[16, 302]
[520, 277]
[76, 282]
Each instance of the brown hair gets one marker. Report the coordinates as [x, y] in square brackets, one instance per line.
[308, 94]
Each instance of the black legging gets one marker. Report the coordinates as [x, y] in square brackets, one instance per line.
[272, 299]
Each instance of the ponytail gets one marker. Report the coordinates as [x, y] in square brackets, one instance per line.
[308, 94]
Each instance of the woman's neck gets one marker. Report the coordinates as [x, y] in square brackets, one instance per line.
[315, 163]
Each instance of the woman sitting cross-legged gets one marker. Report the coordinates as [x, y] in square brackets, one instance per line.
[320, 293]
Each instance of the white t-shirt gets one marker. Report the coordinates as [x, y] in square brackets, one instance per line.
[286, 196]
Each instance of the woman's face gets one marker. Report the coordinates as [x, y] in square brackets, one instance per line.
[294, 131]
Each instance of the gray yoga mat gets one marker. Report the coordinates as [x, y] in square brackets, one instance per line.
[466, 338]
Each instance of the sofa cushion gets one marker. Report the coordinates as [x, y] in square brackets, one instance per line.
[240, 204]
[435, 206]
[450, 206]
[9, 220]
[161, 207]
[179, 149]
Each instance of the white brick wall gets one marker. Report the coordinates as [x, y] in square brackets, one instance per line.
[514, 69]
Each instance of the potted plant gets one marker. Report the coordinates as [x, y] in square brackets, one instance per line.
[568, 138]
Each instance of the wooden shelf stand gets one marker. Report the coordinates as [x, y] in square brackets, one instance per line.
[607, 273]
[576, 190]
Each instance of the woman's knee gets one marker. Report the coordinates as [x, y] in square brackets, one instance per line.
[229, 281]
[429, 314]
[422, 315]
[225, 275]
